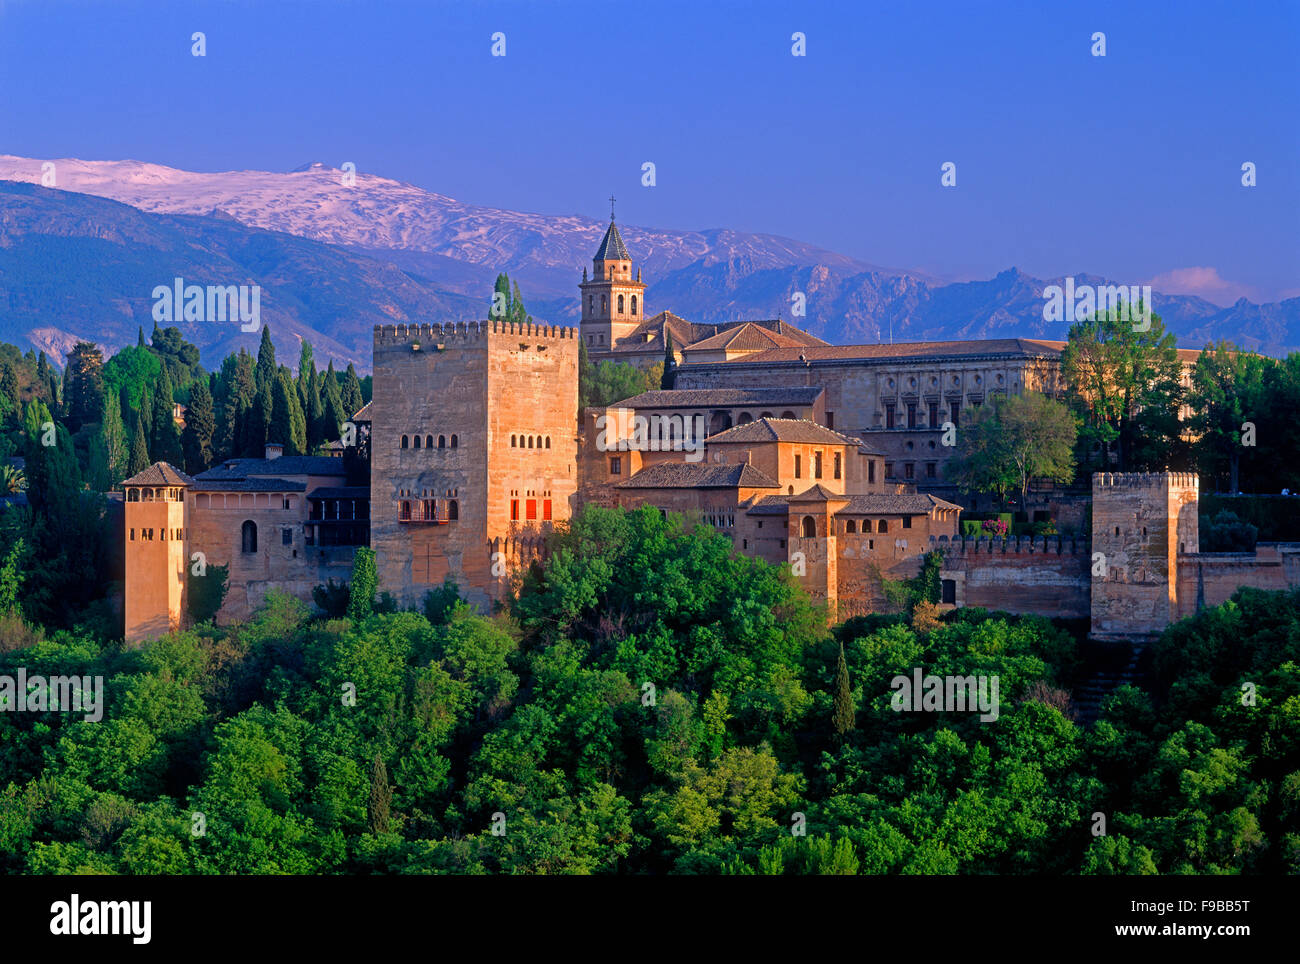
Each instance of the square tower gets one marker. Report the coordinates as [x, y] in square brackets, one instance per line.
[473, 450]
[1141, 522]
[156, 558]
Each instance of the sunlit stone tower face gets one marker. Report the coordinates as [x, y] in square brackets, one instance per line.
[1141, 523]
[156, 534]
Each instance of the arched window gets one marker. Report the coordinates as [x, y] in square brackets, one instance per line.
[530, 441]
[591, 303]
[415, 442]
[611, 278]
[764, 414]
[248, 536]
[851, 526]
[512, 441]
[809, 527]
[453, 510]
[634, 304]
[787, 414]
[548, 441]
[620, 304]
[442, 441]
[744, 419]
[604, 302]
[454, 441]
[882, 526]
[132, 495]
[406, 442]
[539, 441]
[428, 441]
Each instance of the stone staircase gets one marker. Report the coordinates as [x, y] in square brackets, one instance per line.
[1115, 665]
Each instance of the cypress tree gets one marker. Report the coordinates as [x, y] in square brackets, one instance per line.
[266, 367]
[200, 424]
[845, 714]
[117, 450]
[165, 441]
[352, 398]
[139, 460]
[669, 377]
[364, 585]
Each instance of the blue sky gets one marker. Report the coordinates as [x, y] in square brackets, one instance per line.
[1127, 165]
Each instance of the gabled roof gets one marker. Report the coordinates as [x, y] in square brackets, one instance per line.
[798, 396]
[612, 247]
[160, 473]
[818, 493]
[363, 413]
[699, 475]
[746, 337]
[783, 430]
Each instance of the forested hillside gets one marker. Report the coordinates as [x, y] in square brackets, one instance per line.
[653, 703]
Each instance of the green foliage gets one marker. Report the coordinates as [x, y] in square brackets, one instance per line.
[650, 702]
[1227, 533]
[1012, 439]
[205, 593]
[364, 584]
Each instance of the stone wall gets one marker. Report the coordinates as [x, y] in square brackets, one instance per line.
[1210, 578]
[1045, 575]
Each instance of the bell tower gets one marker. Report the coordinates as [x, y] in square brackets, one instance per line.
[613, 302]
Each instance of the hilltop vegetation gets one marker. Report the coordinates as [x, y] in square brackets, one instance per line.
[652, 703]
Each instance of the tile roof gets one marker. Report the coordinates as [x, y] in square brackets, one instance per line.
[745, 337]
[783, 430]
[698, 475]
[818, 493]
[720, 397]
[884, 503]
[160, 473]
[612, 247]
[247, 485]
[881, 503]
[279, 467]
[687, 334]
[1026, 347]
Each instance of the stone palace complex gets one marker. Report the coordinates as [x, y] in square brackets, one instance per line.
[828, 458]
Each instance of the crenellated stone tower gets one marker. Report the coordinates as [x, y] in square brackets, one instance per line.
[1141, 523]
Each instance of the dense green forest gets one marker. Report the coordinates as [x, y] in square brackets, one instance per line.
[653, 703]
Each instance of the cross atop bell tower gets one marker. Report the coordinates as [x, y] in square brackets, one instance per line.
[613, 302]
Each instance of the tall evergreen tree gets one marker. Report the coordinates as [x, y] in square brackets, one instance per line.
[139, 459]
[266, 367]
[363, 586]
[669, 377]
[352, 397]
[117, 451]
[200, 424]
[845, 714]
[288, 427]
[165, 441]
[83, 386]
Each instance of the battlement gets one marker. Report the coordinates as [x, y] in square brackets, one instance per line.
[468, 332]
[1188, 480]
[1011, 546]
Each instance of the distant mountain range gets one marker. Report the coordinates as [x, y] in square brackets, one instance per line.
[335, 258]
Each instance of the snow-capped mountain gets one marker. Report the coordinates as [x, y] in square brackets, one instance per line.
[375, 214]
[385, 250]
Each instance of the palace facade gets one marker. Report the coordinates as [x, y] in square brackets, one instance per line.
[827, 458]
